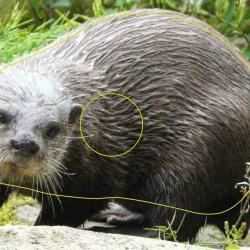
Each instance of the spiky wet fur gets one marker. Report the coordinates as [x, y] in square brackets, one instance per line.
[193, 92]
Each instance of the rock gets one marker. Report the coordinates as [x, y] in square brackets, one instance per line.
[210, 235]
[45, 237]
[27, 214]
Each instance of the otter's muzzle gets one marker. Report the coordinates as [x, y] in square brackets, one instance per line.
[26, 148]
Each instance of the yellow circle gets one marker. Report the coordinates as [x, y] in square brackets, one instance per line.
[111, 94]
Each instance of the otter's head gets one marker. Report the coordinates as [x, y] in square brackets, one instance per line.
[36, 119]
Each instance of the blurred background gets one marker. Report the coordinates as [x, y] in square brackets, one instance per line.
[46, 19]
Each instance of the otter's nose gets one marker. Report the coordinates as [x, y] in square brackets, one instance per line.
[25, 147]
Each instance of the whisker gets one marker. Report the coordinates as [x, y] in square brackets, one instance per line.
[54, 169]
[49, 194]
[41, 187]
[56, 149]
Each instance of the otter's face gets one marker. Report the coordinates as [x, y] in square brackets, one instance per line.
[36, 119]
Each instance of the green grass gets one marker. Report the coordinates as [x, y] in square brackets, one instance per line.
[8, 210]
[18, 37]
[229, 17]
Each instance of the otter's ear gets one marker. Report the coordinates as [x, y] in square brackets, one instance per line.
[75, 113]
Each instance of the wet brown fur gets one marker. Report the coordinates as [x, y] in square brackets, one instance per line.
[194, 94]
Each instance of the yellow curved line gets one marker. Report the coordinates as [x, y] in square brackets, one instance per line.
[70, 36]
[131, 199]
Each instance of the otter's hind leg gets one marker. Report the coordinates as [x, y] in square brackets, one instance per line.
[133, 223]
[176, 190]
[143, 228]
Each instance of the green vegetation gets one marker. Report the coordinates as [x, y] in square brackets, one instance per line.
[8, 210]
[230, 17]
[168, 232]
[18, 37]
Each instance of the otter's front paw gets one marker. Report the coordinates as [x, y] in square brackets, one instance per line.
[118, 215]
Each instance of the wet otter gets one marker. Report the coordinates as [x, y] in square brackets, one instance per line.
[193, 90]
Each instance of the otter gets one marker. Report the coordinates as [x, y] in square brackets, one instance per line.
[193, 90]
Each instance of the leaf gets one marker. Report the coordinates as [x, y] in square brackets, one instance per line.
[61, 4]
[220, 6]
[225, 9]
[231, 8]
[47, 2]
[36, 7]
[240, 12]
[120, 2]
[232, 246]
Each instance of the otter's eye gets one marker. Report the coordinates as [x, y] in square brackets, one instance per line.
[3, 118]
[53, 130]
